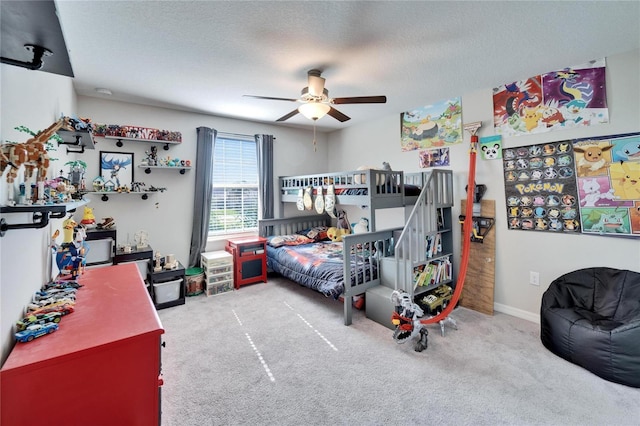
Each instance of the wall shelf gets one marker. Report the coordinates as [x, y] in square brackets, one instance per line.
[147, 169]
[41, 214]
[119, 140]
[105, 194]
[77, 138]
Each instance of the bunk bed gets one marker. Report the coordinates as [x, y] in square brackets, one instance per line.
[323, 265]
[372, 189]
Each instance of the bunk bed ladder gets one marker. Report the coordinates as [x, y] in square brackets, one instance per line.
[437, 191]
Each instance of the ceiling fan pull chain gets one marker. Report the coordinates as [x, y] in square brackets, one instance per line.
[314, 136]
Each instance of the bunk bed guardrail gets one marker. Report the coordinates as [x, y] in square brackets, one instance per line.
[377, 184]
[437, 192]
[368, 249]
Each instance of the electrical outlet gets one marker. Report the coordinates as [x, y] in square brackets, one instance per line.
[534, 278]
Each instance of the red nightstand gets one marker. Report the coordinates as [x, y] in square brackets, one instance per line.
[249, 260]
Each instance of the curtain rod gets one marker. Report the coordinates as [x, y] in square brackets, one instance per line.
[237, 135]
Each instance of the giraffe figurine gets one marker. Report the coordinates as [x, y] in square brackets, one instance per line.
[33, 155]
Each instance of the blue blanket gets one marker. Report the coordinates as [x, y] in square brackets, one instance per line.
[317, 265]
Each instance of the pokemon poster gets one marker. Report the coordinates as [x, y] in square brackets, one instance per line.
[540, 187]
[567, 98]
[608, 175]
[589, 186]
[432, 126]
[434, 157]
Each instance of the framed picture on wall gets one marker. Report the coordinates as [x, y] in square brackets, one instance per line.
[116, 168]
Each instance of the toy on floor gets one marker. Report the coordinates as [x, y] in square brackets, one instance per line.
[406, 319]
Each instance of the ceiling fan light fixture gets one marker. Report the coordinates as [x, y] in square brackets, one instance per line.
[314, 110]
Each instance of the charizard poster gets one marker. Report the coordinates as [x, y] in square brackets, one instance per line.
[567, 98]
[608, 171]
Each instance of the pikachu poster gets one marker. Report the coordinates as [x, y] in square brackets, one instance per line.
[608, 175]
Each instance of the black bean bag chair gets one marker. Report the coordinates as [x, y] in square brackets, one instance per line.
[591, 317]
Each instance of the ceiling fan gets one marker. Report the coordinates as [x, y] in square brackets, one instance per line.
[316, 102]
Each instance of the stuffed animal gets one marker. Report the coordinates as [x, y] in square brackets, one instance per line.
[336, 234]
[361, 178]
[362, 226]
[343, 222]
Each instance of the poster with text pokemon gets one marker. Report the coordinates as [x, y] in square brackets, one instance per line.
[568, 98]
[540, 187]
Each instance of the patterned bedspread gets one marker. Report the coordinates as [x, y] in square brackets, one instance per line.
[317, 266]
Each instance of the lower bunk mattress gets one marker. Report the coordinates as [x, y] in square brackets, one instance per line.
[318, 266]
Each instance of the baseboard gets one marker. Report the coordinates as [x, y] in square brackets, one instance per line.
[519, 313]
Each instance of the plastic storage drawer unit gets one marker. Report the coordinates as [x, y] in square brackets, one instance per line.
[219, 287]
[215, 258]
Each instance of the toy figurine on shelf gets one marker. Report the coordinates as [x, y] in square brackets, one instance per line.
[107, 223]
[137, 186]
[88, 218]
[71, 254]
[142, 239]
[157, 265]
[170, 262]
[152, 156]
[31, 154]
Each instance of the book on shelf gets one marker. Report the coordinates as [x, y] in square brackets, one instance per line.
[423, 275]
[433, 245]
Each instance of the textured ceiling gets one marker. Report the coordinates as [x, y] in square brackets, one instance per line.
[205, 55]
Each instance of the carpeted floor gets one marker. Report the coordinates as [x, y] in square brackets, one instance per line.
[279, 354]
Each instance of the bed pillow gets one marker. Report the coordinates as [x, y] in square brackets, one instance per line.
[288, 240]
[317, 233]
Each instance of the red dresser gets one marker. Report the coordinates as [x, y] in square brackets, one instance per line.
[102, 366]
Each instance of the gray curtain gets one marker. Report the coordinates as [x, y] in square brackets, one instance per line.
[202, 196]
[264, 146]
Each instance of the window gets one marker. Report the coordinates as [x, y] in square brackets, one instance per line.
[234, 201]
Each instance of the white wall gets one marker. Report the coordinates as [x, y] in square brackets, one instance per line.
[517, 252]
[35, 100]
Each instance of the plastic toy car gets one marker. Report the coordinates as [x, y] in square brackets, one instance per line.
[32, 307]
[63, 309]
[55, 293]
[40, 318]
[61, 284]
[437, 300]
[45, 302]
[34, 331]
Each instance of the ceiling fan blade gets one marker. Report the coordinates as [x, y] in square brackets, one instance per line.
[271, 98]
[338, 115]
[288, 116]
[361, 100]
